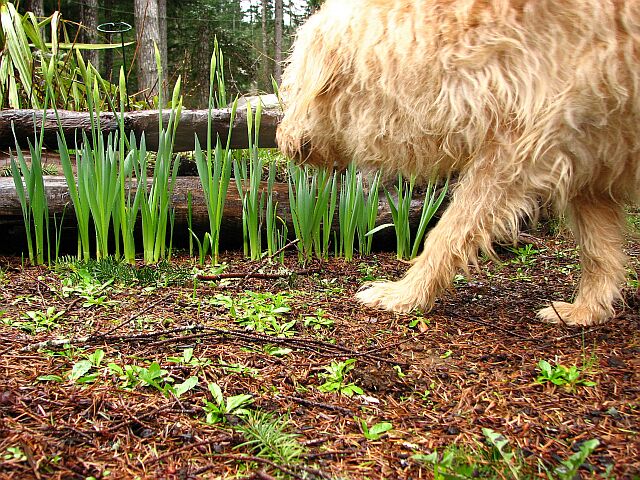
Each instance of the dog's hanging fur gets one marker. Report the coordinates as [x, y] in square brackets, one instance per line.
[527, 100]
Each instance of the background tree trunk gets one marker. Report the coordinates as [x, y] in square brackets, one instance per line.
[107, 58]
[147, 33]
[162, 45]
[35, 6]
[89, 20]
[278, 40]
[266, 71]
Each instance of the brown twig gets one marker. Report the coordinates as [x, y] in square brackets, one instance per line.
[190, 446]
[271, 257]
[248, 458]
[311, 403]
[244, 276]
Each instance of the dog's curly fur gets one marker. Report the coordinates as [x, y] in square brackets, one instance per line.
[527, 100]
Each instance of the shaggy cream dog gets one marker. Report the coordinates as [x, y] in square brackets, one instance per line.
[528, 100]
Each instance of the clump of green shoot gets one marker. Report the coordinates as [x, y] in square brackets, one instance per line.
[357, 212]
[312, 200]
[406, 247]
[214, 169]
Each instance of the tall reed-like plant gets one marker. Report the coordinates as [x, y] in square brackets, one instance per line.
[156, 203]
[25, 52]
[214, 169]
[406, 248]
[33, 199]
[96, 188]
[312, 200]
[277, 230]
[248, 177]
[128, 205]
[31, 192]
[357, 212]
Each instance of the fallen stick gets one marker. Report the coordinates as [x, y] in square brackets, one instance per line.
[244, 276]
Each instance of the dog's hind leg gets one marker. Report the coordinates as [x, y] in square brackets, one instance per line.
[487, 203]
[598, 224]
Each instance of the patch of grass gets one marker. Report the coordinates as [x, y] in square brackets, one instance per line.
[118, 272]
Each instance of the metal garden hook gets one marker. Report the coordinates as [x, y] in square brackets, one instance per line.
[121, 28]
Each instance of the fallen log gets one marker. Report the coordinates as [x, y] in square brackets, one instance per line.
[192, 122]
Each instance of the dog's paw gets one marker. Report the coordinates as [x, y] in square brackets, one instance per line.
[390, 296]
[572, 314]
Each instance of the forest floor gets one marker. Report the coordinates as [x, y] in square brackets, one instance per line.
[297, 380]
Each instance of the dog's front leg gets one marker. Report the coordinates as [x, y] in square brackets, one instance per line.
[486, 205]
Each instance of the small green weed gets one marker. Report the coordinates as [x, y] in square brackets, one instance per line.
[133, 376]
[524, 255]
[14, 455]
[36, 321]
[262, 312]
[238, 369]
[218, 410]
[633, 220]
[335, 378]
[567, 377]
[319, 321]
[188, 358]
[375, 431]
[80, 371]
[276, 350]
[568, 469]
[367, 272]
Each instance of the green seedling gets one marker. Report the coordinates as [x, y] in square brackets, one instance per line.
[261, 312]
[14, 455]
[84, 286]
[238, 369]
[568, 469]
[80, 371]
[276, 350]
[567, 377]
[188, 358]
[524, 255]
[133, 376]
[319, 321]
[218, 410]
[501, 445]
[335, 378]
[376, 430]
[36, 321]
